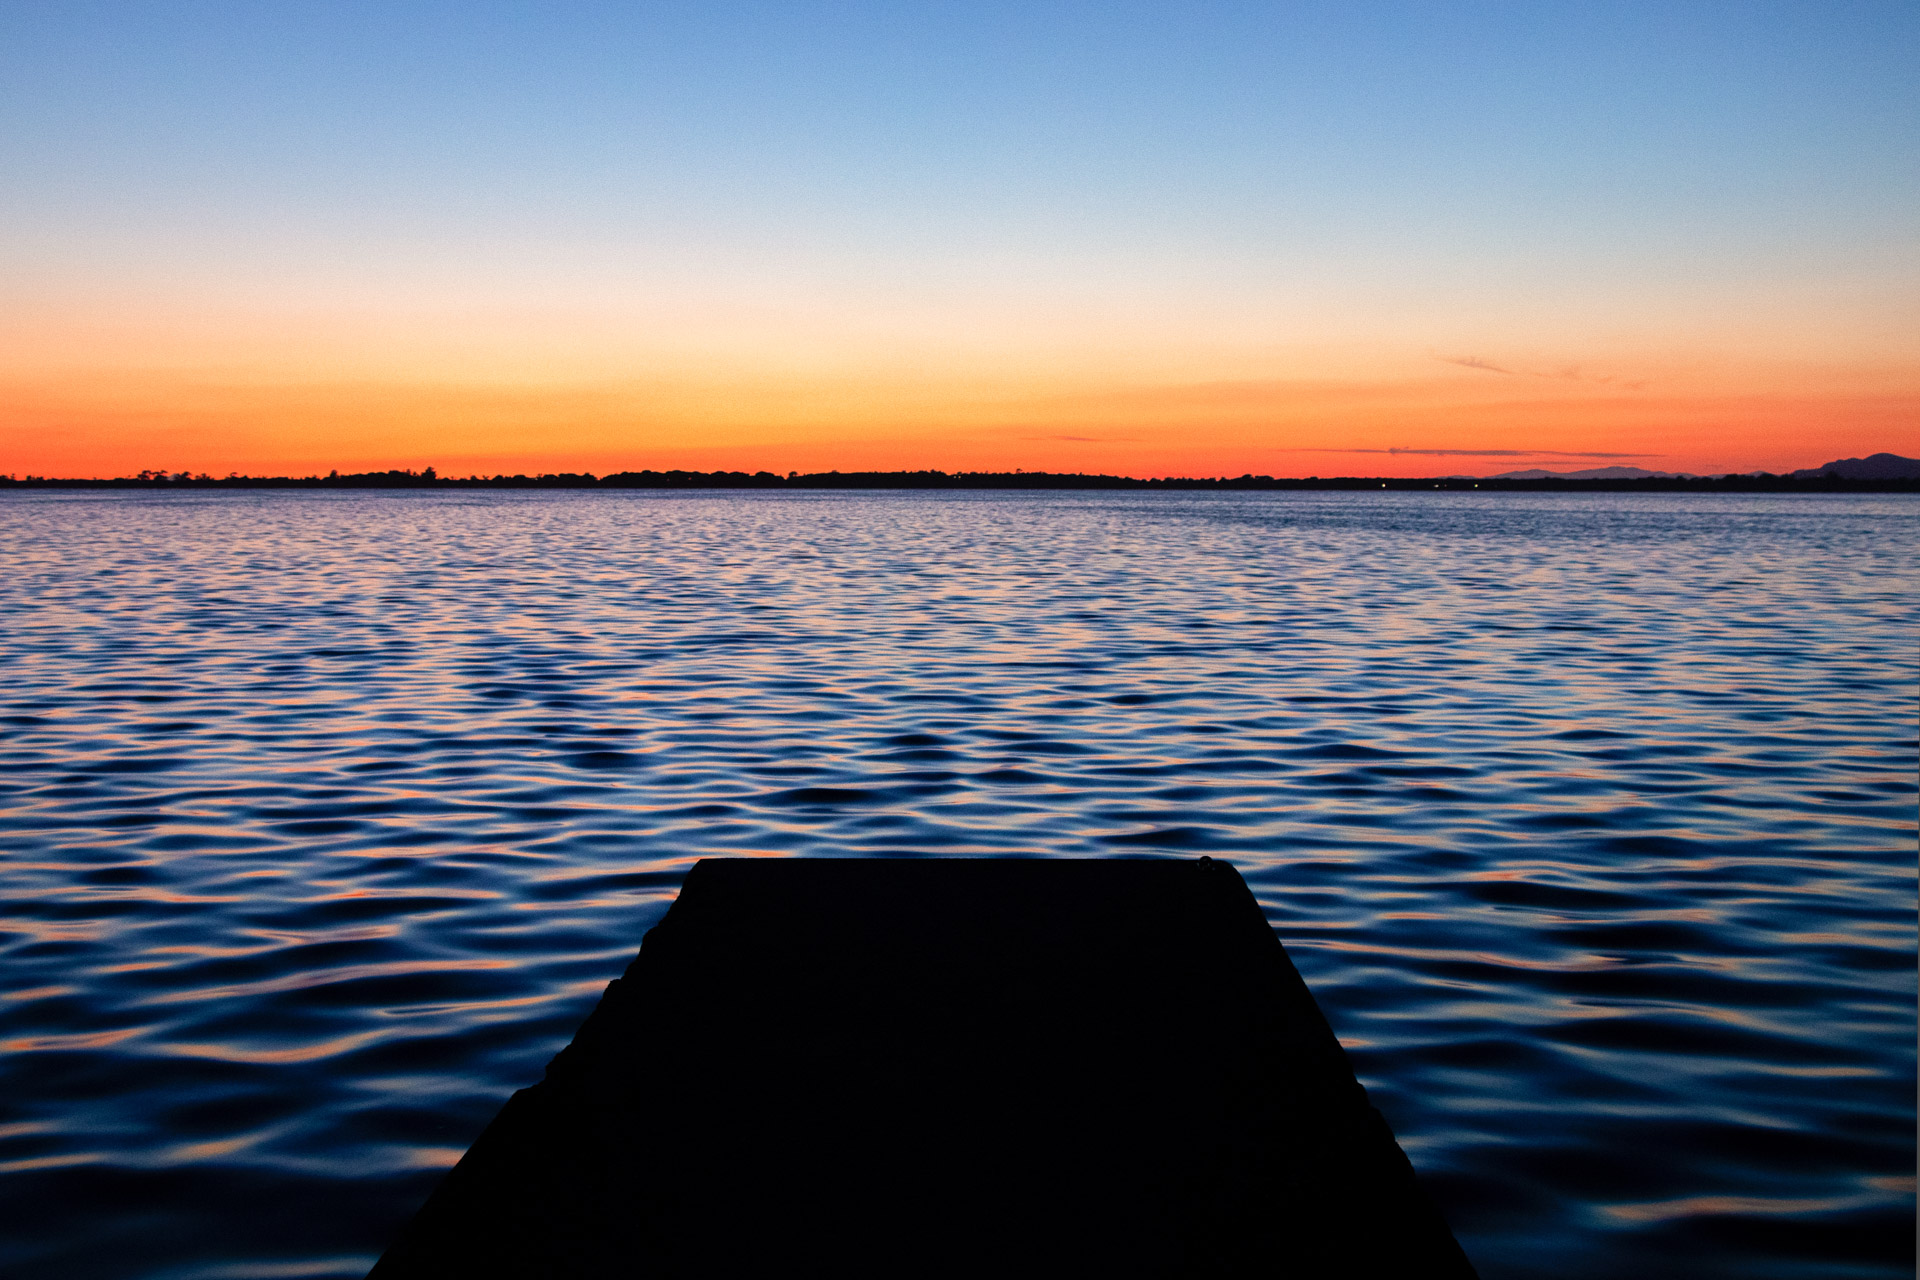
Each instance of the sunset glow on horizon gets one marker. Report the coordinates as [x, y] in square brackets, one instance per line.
[1289, 240]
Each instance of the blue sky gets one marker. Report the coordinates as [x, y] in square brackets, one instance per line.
[1207, 181]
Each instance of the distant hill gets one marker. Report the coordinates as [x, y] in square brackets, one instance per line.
[1591, 473]
[1596, 480]
[1879, 466]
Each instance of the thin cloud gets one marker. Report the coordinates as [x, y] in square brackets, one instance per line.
[1516, 453]
[1091, 439]
[1565, 373]
[1484, 453]
[1474, 362]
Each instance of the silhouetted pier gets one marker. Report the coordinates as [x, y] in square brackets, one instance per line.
[913, 1067]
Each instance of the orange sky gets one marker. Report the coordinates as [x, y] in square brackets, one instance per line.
[1425, 417]
[1279, 239]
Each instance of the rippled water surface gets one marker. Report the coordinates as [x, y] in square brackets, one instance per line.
[1590, 819]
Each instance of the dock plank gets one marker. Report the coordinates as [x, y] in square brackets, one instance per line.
[942, 1067]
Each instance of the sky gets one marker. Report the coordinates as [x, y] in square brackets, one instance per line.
[1145, 239]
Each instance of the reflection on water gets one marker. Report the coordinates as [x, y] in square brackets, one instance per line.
[1591, 820]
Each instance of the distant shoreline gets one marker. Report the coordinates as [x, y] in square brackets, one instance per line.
[1016, 480]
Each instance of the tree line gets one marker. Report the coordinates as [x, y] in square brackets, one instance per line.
[429, 478]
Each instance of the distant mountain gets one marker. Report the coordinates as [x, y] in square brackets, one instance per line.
[1879, 466]
[1591, 473]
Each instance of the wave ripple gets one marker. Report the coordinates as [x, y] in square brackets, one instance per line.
[1590, 819]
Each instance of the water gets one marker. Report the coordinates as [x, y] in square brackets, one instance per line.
[1590, 819]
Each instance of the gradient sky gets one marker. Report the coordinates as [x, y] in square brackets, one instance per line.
[1394, 239]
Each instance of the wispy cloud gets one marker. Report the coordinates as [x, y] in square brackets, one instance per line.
[1483, 453]
[1091, 439]
[1474, 362]
[1565, 373]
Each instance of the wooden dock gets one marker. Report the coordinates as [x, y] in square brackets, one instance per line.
[942, 1067]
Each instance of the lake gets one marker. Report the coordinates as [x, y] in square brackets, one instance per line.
[1590, 819]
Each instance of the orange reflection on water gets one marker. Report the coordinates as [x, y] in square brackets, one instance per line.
[298, 1053]
[1693, 1206]
[213, 1150]
[1482, 957]
[81, 1040]
[50, 1162]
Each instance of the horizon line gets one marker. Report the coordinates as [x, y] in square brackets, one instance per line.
[428, 477]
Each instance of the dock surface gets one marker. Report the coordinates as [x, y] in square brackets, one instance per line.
[918, 1067]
